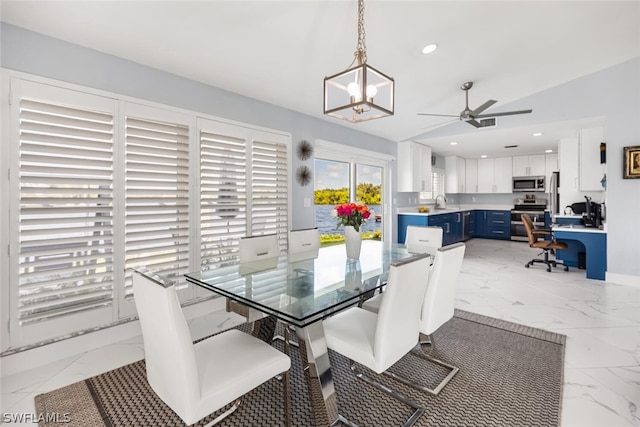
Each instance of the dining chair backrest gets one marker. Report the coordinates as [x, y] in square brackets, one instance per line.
[438, 306]
[172, 368]
[307, 240]
[423, 239]
[257, 248]
[397, 323]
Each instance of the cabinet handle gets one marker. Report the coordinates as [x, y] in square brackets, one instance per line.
[498, 222]
[448, 227]
[498, 232]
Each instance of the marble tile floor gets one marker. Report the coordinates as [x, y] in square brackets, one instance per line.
[601, 321]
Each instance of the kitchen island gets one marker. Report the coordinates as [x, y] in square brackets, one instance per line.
[590, 241]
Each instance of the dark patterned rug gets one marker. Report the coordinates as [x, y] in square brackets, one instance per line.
[510, 375]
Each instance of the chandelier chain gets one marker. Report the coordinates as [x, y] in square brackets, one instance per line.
[361, 48]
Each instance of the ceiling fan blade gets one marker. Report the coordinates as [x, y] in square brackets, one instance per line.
[438, 115]
[483, 107]
[506, 113]
[474, 122]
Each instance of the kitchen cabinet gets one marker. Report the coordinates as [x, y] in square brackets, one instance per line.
[471, 175]
[414, 167]
[454, 175]
[590, 170]
[451, 224]
[529, 165]
[406, 220]
[494, 175]
[493, 224]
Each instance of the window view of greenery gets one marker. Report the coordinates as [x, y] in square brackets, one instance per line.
[332, 185]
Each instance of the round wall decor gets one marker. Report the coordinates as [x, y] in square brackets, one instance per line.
[303, 175]
[304, 150]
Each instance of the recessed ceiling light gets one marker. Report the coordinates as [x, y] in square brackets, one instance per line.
[429, 48]
[453, 143]
[538, 134]
[548, 151]
[484, 156]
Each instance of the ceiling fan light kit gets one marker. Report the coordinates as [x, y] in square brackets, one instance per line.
[360, 92]
[471, 116]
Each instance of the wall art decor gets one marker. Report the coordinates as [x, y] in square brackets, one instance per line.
[304, 150]
[303, 175]
[631, 162]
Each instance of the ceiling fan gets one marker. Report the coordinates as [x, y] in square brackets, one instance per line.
[470, 116]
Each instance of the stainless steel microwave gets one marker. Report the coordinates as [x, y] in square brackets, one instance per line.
[523, 184]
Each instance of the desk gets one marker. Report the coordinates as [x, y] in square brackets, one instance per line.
[302, 293]
[592, 241]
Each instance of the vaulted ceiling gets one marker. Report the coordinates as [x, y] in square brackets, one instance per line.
[280, 51]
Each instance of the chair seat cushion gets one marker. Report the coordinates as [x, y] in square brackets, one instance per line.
[356, 341]
[232, 363]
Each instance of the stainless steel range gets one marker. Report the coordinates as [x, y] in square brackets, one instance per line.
[534, 207]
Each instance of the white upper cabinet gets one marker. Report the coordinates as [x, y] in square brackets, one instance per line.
[494, 175]
[471, 175]
[529, 165]
[414, 167]
[455, 172]
[590, 170]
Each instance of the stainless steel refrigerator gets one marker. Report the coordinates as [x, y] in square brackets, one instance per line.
[554, 193]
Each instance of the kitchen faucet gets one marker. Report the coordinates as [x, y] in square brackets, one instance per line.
[440, 204]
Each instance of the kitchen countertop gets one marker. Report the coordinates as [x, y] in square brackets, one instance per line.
[413, 210]
[579, 228]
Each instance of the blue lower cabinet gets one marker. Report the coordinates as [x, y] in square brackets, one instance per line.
[497, 225]
[406, 220]
[482, 223]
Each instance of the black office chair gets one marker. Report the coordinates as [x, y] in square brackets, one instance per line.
[546, 245]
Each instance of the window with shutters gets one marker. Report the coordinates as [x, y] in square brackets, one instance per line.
[156, 198]
[102, 186]
[243, 189]
[63, 265]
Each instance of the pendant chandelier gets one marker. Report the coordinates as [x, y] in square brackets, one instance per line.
[360, 92]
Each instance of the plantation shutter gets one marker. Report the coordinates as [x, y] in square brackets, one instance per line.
[223, 182]
[65, 236]
[156, 198]
[269, 190]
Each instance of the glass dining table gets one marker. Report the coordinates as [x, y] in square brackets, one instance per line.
[301, 290]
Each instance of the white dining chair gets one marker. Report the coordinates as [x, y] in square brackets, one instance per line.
[196, 380]
[423, 239]
[304, 240]
[438, 308]
[256, 248]
[304, 244]
[378, 340]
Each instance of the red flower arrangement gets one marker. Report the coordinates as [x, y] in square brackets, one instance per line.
[354, 214]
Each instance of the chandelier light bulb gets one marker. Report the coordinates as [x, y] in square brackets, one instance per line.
[371, 91]
[353, 88]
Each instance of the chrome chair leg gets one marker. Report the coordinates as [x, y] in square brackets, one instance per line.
[434, 391]
[225, 414]
[362, 376]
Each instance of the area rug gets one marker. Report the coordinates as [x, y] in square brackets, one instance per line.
[510, 375]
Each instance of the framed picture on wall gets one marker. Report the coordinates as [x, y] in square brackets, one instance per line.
[632, 162]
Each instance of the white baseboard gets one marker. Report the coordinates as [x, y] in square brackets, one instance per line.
[45, 354]
[623, 279]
